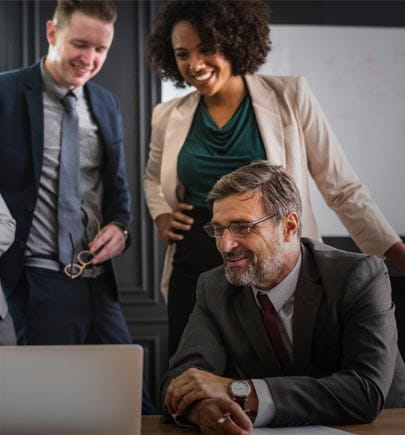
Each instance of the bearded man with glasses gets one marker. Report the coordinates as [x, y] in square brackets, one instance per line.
[288, 331]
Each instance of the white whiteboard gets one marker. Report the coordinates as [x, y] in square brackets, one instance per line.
[358, 75]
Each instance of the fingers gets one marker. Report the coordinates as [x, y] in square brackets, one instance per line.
[177, 389]
[185, 385]
[109, 242]
[192, 386]
[184, 206]
[220, 416]
[178, 222]
[188, 399]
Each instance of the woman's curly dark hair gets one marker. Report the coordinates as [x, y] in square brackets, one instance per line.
[237, 29]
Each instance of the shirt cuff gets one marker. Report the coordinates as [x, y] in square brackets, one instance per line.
[267, 408]
[125, 232]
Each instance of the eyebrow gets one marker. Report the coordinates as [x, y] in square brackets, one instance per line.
[85, 42]
[201, 44]
[234, 221]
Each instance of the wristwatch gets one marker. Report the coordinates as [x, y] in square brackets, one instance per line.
[125, 232]
[239, 391]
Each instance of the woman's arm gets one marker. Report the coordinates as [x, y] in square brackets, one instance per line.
[339, 185]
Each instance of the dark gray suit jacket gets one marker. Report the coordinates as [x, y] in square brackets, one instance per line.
[347, 366]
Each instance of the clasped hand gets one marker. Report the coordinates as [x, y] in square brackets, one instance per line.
[205, 398]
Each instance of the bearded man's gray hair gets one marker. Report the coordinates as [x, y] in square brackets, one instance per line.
[278, 190]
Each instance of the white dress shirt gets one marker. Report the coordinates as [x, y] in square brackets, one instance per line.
[282, 297]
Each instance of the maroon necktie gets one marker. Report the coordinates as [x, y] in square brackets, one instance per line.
[270, 319]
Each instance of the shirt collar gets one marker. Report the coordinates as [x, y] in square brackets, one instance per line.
[282, 292]
[54, 89]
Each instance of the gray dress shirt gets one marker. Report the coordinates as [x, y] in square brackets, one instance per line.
[42, 243]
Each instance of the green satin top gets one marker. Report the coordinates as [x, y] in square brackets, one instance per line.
[209, 152]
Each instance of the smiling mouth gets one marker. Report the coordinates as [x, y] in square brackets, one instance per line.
[203, 77]
[235, 261]
[81, 69]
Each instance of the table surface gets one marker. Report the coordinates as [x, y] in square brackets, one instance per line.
[389, 422]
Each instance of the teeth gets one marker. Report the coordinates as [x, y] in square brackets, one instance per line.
[82, 69]
[203, 77]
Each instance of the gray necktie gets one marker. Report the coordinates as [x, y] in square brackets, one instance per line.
[69, 214]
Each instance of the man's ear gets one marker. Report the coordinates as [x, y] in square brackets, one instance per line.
[51, 30]
[290, 226]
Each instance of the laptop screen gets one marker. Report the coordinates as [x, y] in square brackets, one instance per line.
[81, 390]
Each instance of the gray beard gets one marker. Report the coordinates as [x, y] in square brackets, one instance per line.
[263, 274]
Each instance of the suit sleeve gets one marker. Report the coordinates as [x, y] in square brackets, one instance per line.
[152, 183]
[356, 392]
[342, 190]
[7, 227]
[117, 191]
[201, 345]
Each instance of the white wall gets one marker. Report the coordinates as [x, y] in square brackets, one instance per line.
[358, 75]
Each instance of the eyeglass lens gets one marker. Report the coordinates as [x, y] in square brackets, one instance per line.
[85, 257]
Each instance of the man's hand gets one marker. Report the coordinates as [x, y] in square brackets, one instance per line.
[220, 416]
[109, 242]
[194, 385]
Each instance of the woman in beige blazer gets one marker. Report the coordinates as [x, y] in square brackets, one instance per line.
[292, 126]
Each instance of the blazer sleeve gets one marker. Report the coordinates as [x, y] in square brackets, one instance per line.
[201, 345]
[7, 227]
[356, 392]
[152, 182]
[119, 196]
[342, 190]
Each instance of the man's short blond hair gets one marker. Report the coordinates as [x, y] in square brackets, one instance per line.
[103, 10]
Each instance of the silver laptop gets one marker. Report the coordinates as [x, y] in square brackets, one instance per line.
[71, 390]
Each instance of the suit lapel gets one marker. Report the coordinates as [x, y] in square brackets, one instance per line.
[33, 94]
[251, 320]
[268, 118]
[308, 296]
[100, 114]
[178, 126]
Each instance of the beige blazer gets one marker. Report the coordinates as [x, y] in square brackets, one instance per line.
[296, 135]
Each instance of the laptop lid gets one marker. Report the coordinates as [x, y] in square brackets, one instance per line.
[80, 390]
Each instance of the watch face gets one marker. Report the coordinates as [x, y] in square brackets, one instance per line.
[240, 388]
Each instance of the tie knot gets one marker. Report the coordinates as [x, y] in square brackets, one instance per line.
[69, 101]
[265, 302]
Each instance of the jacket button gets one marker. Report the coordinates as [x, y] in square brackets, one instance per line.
[21, 244]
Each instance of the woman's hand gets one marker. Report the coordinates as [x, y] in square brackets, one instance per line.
[396, 254]
[168, 223]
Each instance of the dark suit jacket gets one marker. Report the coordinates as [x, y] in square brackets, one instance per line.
[21, 149]
[345, 354]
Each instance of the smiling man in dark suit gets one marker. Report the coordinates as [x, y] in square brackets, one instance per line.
[288, 331]
[63, 179]
[47, 305]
